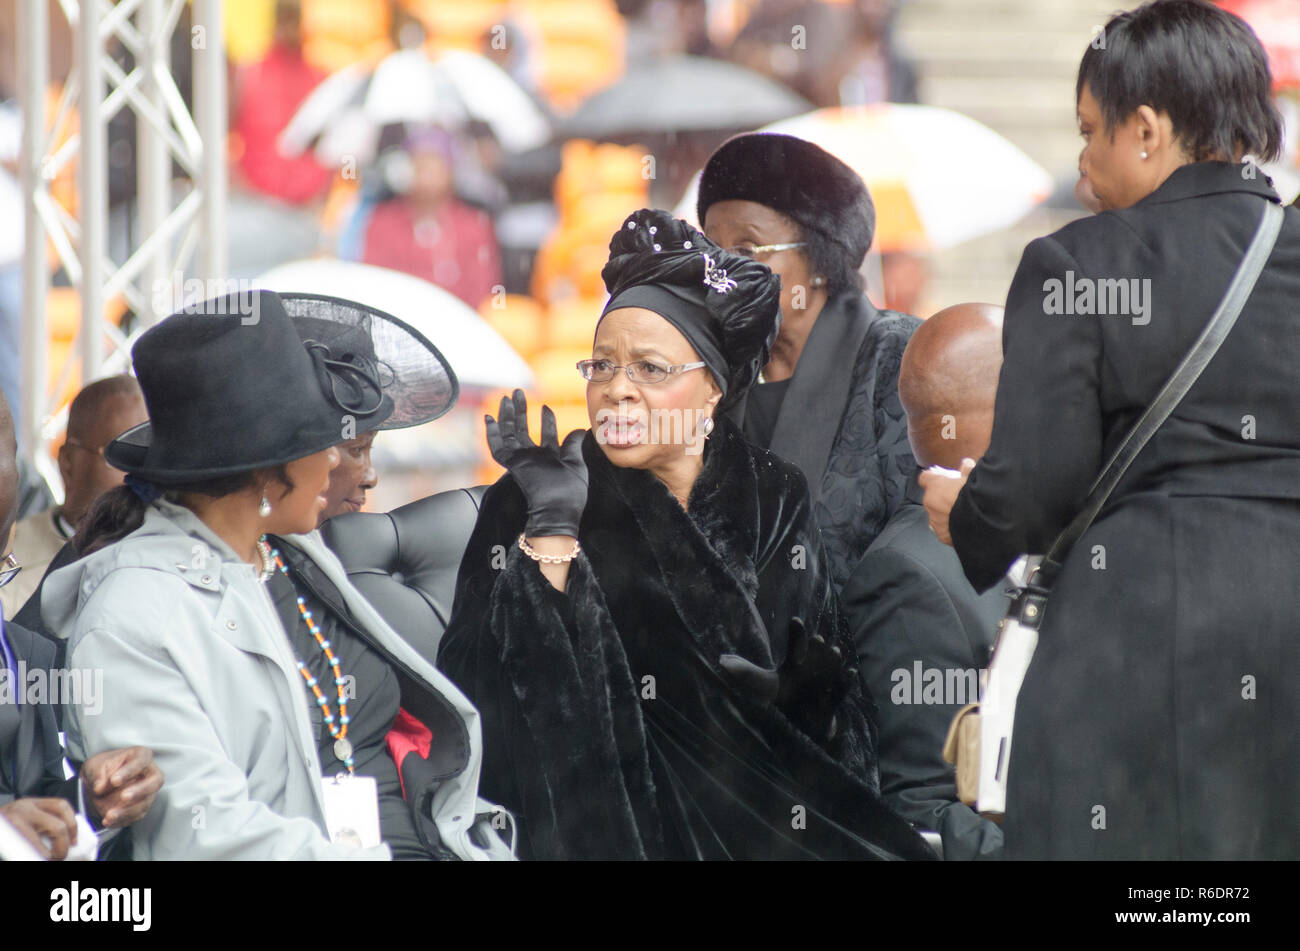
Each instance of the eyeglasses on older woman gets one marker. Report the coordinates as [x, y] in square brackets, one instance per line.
[643, 371]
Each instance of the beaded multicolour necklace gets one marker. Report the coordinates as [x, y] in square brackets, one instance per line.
[339, 729]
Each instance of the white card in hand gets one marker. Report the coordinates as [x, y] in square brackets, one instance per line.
[352, 810]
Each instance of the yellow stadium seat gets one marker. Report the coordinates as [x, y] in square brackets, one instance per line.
[570, 416]
[572, 323]
[248, 28]
[586, 264]
[460, 24]
[521, 322]
[558, 379]
[337, 33]
[583, 49]
[62, 322]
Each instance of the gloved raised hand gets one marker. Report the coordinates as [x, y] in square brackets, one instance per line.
[808, 687]
[552, 476]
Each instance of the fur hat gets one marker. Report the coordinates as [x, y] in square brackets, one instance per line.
[797, 178]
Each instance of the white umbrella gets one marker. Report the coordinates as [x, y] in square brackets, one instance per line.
[480, 357]
[343, 116]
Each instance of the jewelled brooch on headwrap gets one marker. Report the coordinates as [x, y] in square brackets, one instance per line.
[716, 277]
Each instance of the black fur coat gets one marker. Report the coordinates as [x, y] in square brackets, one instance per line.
[608, 725]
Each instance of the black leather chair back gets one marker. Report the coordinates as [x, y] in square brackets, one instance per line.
[405, 561]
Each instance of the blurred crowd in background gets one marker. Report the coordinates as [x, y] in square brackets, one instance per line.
[489, 148]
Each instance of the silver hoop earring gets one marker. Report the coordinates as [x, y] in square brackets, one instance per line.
[264, 509]
[706, 426]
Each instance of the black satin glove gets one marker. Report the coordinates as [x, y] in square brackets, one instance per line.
[808, 687]
[552, 476]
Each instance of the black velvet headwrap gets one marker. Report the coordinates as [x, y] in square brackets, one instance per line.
[687, 314]
[727, 306]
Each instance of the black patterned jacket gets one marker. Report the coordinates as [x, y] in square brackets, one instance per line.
[842, 423]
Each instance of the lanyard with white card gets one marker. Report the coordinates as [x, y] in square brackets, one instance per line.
[352, 810]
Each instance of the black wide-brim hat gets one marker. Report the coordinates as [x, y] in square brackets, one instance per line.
[230, 388]
[418, 382]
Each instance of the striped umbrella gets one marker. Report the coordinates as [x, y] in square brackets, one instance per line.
[937, 177]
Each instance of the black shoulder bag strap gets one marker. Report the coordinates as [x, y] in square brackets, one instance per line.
[1029, 606]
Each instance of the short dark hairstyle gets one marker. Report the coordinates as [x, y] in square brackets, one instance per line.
[1200, 64]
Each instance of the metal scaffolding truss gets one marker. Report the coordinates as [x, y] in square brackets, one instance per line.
[180, 225]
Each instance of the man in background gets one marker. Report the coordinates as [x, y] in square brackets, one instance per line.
[921, 631]
[102, 411]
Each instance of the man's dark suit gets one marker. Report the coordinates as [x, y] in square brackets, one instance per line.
[909, 601]
[31, 758]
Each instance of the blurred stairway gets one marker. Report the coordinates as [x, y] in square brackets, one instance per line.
[1010, 64]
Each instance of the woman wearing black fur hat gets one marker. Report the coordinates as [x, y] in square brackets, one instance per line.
[827, 400]
[643, 612]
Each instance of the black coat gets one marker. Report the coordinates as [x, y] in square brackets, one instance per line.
[1158, 717]
[31, 758]
[608, 726]
[842, 424]
[908, 604]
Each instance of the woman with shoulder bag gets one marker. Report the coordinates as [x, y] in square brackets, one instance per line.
[1156, 720]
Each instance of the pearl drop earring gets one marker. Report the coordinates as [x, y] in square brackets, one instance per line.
[264, 509]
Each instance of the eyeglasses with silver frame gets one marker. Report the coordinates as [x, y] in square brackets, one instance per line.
[642, 371]
[753, 251]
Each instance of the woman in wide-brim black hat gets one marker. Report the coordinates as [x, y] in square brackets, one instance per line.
[236, 691]
[827, 399]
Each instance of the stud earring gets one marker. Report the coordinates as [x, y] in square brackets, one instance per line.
[818, 281]
[1144, 153]
[264, 509]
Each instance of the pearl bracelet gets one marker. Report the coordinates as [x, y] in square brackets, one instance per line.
[532, 553]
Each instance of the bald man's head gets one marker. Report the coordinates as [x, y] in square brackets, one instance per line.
[102, 411]
[947, 383]
[94, 409]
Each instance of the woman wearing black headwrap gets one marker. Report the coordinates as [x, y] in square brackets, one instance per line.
[643, 614]
[828, 398]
